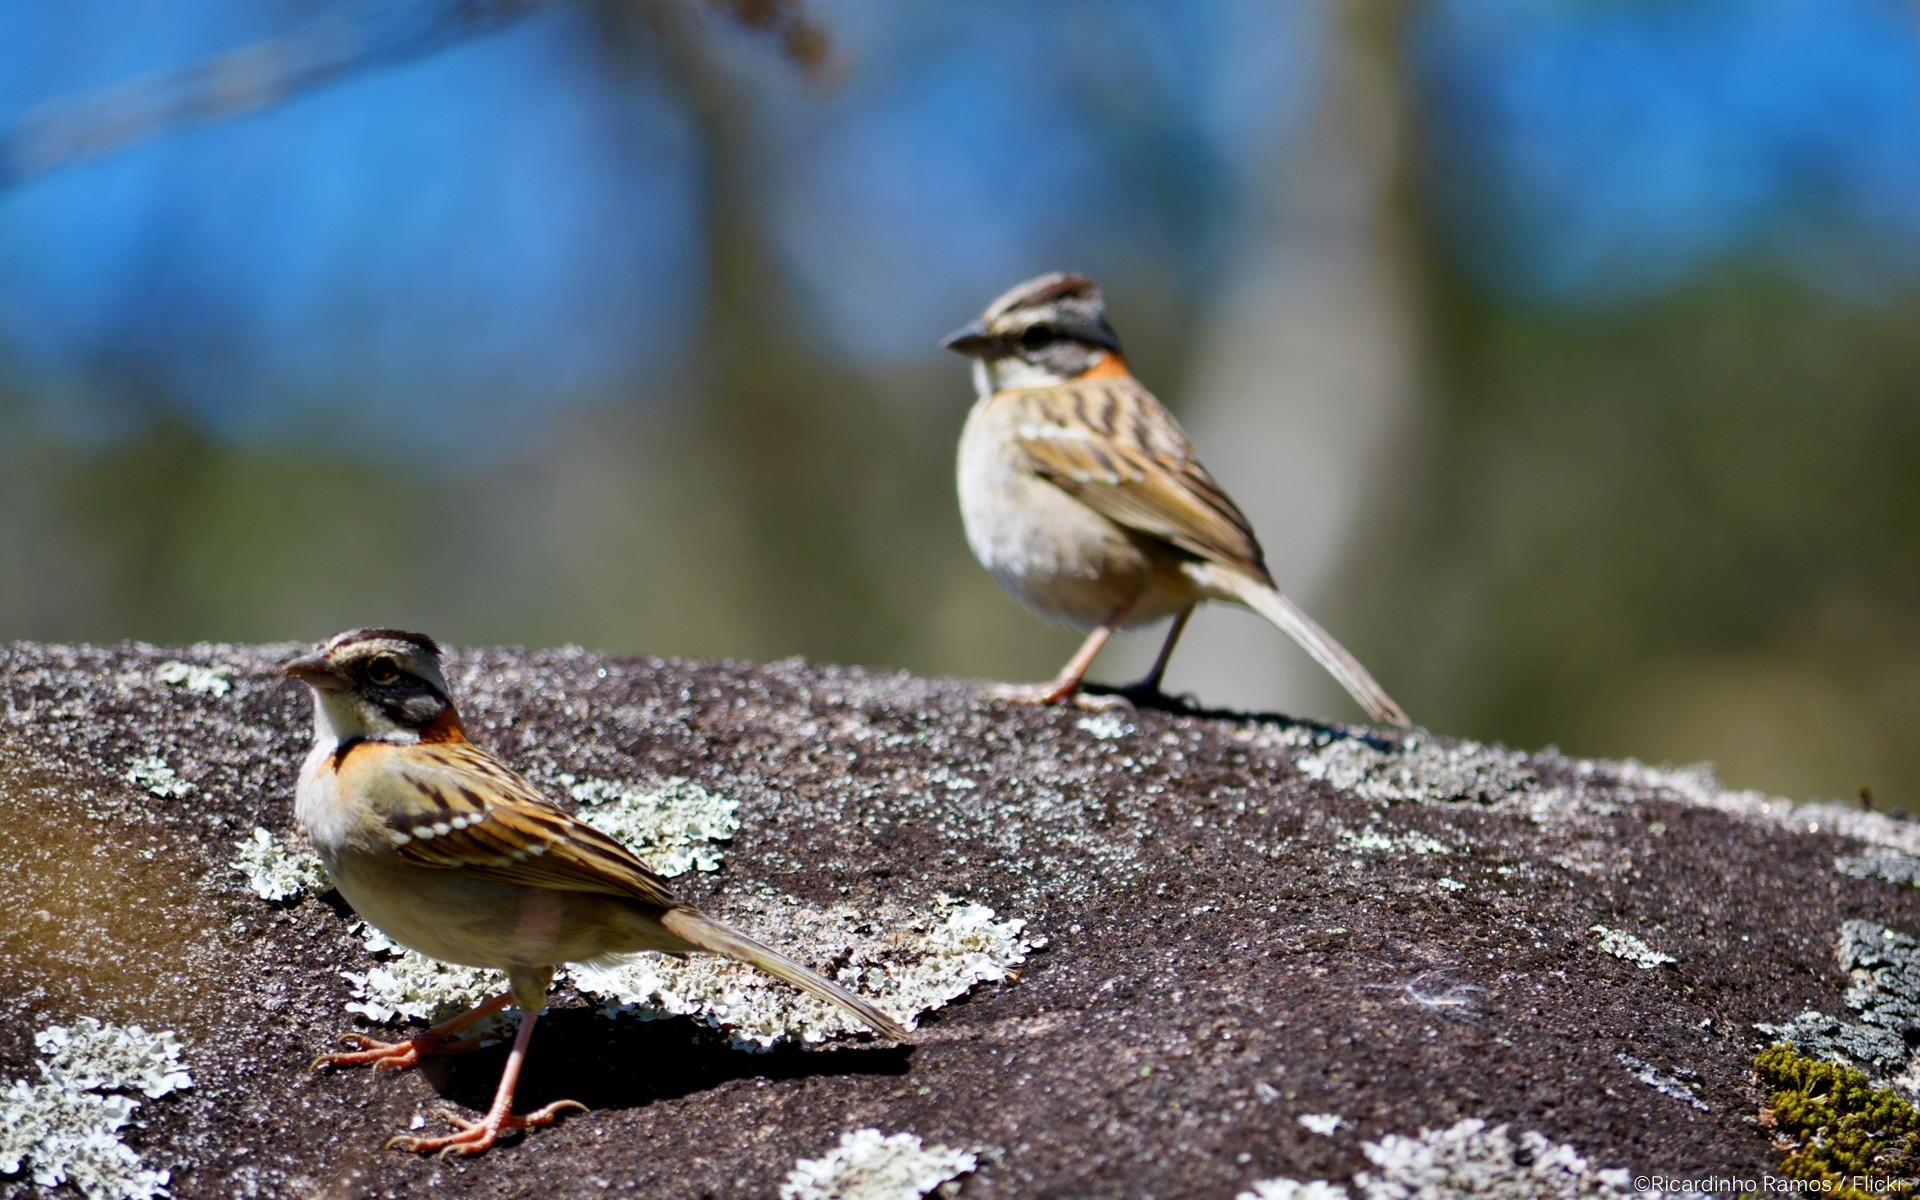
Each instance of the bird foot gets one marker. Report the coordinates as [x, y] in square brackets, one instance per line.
[391, 1056]
[1043, 694]
[475, 1137]
[1038, 694]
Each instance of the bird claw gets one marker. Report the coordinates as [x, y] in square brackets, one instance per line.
[1023, 693]
[1037, 694]
[475, 1137]
[389, 1056]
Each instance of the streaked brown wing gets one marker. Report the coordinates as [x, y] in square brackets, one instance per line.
[1112, 445]
[467, 809]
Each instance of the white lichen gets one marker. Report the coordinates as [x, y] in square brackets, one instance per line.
[90, 1055]
[1881, 864]
[152, 773]
[1462, 1162]
[1323, 1124]
[1374, 840]
[1667, 1085]
[1418, 769]
[906, 962]
[61, 1128]
[278, 871]
[62, 1136]
[1698, 787]
[1104, 726]
[1293, 1189]
[870, 1165]
[1470, 1159]
[1625, 946]
[673, 827]
[421, 988]
[216, 680]
[375, 939]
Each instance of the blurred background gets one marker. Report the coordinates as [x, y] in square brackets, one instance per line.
[1564, 352]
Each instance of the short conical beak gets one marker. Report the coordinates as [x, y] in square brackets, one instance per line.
[315, 671]
[974, 341]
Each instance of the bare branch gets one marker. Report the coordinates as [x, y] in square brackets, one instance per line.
[268, 72]
[254, 77]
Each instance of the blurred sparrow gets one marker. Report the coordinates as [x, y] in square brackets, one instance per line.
[436, 842]
[1083, 497]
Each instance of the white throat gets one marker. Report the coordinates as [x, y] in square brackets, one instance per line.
[342, 716]
[992, 375]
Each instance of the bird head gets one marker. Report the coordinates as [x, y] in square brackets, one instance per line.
[1045, 331]
[378, 684]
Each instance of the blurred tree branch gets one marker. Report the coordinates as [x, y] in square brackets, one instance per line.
[332, 47]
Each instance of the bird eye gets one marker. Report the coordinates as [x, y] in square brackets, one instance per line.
[1033, 337]
[383, 671]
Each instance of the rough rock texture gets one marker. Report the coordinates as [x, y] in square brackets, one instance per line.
[1248, 921]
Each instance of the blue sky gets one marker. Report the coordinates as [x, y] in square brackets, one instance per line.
[478, 238]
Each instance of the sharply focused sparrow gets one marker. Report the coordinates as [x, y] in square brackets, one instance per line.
[450, 853]
[1083, 497]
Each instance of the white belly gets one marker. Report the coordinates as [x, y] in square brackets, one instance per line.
[1049, 551]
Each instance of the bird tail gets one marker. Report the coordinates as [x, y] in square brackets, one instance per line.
[705, 933]
[1262, 597]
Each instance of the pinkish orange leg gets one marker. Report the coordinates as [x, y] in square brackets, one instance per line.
[395, 1056]
[1065, 685]
[473, 1137]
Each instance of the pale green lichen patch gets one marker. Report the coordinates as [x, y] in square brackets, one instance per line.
[420, 988]
[61, 1136]
[214, 680]
[672, 827]
[906, 962]
[277, 870]
[64, 1127]
[1466, 1160]
[1626, 946]
[91, 1055]
[152, 773]
[870, 1165]
[1418, 769]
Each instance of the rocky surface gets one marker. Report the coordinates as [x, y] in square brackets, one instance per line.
[1259, 952]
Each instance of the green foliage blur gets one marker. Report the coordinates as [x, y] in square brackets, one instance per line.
[1681, 526]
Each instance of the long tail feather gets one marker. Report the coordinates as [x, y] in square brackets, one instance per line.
[710, 935]
[1269, 602]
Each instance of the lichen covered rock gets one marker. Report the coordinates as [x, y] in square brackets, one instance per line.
[1149, 953]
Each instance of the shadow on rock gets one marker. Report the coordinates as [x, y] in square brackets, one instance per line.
[578, 1054]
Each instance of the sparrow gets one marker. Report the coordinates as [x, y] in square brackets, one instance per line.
[1083, 498]
[447, 851]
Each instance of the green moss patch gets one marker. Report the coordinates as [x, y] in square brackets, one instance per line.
[1857, 1140]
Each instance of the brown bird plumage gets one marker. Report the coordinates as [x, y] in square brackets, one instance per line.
[1084, 498]
[451, 853]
